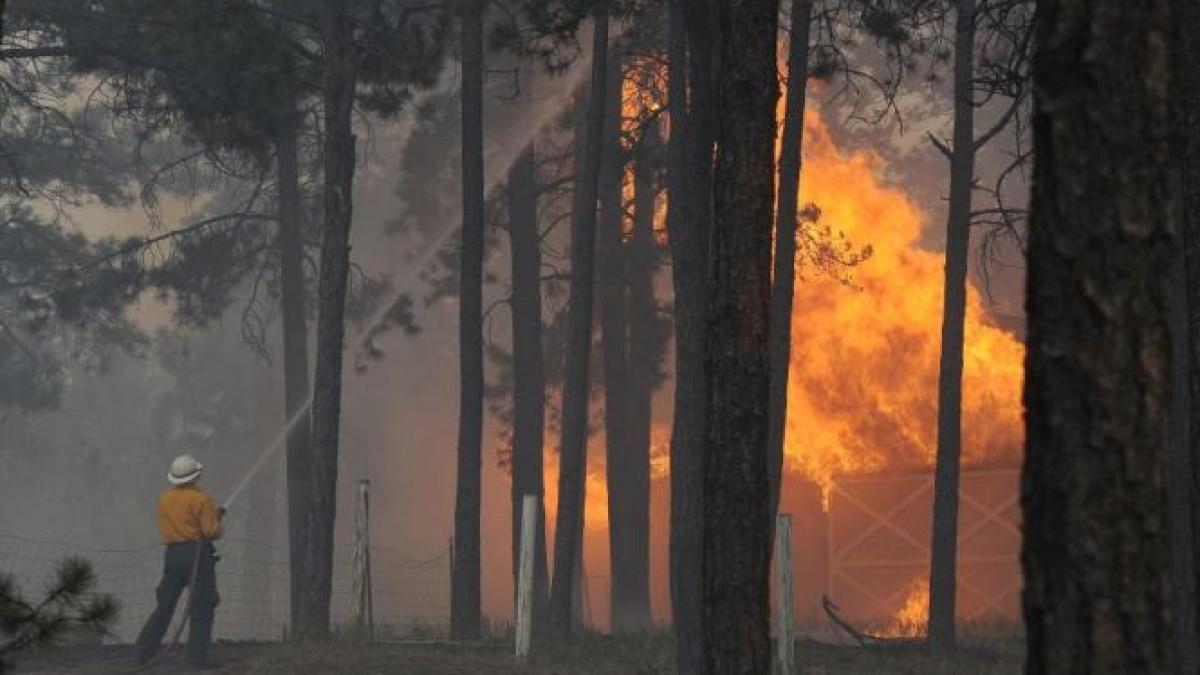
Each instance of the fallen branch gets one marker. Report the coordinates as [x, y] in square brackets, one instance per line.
[867, 639]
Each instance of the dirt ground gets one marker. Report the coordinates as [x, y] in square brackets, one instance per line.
[595, 656]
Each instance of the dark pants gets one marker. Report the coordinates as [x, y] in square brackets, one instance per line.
[179, 561]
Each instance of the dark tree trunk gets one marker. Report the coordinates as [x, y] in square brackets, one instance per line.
[614, 345]
[529, 381]
[737, 533]
[1180, 476]
[580, 607]
[1186, 338]
[943, 576]
[295, 355]
[340, 74]
[644, 361]
[690, 196]
[686, 659]
[464, 605]
[783, 285]
[1103, 230]
[573, 463]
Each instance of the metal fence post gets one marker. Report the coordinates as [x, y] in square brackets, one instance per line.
[362, 589]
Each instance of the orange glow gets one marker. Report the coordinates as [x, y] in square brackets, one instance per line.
[643, 103]
[862, 393]
[910, 621]
[596, 490]
[595, 509]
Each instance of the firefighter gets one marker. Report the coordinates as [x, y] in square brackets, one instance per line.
[188, 523]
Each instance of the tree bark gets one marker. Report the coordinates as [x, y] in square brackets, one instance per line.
[294, 321]
[573, 462]
[943, 576]
[644, 361]
[783, 284]
[676, 233]
[1185, 470]
[529, 381]
[614, 345]
[690, 197]
[464, 606]
[338, 82]
[737, 537]
[1180, 488]
[1103, 230]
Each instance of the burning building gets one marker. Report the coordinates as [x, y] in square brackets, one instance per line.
[862, 411]
[862, 419]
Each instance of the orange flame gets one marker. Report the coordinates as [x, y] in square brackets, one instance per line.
[862, 393]
[910, 620]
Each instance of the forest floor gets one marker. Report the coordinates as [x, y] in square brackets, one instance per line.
[593, 656]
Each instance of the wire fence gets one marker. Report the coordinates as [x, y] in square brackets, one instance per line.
[409, 593]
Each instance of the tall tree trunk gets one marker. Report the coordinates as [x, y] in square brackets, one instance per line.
[1180, 488]
[293, 298]
[1185, 472]
[338, 82]
[295, 355]
[691, 222]
[644, 361]
[529, 381]
[943, 576]
[783, 284]
[1103, 230]
[686, 661]
[737, 533]
[464, 605]
[581, 610]
[614, 344]
[573, 462]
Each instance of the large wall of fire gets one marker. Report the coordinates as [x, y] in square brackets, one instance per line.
[862, 397]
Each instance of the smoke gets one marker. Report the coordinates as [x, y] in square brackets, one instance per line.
[88, 473]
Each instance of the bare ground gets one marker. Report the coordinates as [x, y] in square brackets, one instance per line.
[591, 656]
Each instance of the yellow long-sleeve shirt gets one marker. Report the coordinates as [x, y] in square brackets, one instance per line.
[187, 513]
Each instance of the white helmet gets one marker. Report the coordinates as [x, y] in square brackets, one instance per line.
[184, 469]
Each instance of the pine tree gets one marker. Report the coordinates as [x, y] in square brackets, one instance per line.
[1103, 232]
[737, 527]
[465, 593]
[572, 469]
[70, 601]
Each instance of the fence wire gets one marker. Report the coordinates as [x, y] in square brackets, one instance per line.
[252, 580]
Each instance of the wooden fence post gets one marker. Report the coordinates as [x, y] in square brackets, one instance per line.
[362, 590]
[786, 639]
[529, 516]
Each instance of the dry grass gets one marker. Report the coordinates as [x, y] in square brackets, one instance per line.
[819, 659]
[649, 654]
